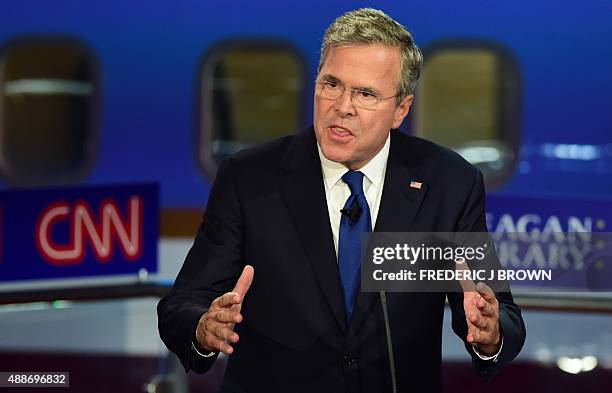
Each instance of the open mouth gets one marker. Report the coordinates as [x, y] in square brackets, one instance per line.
[340, 133]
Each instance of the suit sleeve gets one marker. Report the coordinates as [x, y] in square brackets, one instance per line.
[210, 269]
[511, 323]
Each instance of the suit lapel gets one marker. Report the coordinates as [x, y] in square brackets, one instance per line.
[398, 207]
[304, 193]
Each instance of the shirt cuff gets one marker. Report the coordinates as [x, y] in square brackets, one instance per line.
[209, 354]
[492, 357]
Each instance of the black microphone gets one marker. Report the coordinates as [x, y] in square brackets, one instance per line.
[353, 213]
[383, 301]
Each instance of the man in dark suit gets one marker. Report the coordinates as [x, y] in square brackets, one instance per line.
[273, 276]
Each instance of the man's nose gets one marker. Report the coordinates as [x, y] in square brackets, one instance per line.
[344, 104]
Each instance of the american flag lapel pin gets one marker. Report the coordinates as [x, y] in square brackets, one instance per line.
[416, 185]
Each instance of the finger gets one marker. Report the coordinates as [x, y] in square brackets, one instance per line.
[223, 332]
[227, 300]
[219, 345]
[245, 280]
[478, 321]
[485, 291]
[475, 338]
[467, 285]
[227, 316]
[485, 307]
[481, 338]
[207, 338]
[484, 337]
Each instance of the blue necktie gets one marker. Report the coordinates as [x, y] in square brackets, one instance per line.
[352, 226]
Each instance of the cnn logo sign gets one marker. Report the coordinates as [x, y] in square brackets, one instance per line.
[101, 231]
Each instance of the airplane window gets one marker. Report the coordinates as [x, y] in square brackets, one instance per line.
[467, 100]
[47, 91]
[250, 93]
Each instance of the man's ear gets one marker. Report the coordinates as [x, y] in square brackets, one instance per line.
[401, 111]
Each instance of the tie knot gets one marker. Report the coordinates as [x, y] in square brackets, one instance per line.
[354, 179]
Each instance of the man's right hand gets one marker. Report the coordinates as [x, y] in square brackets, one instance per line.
[215, 329]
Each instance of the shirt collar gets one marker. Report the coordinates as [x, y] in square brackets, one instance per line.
[374, 170]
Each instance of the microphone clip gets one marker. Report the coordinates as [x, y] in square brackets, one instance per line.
[353, 213]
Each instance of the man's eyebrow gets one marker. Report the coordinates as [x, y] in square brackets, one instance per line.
[331, 78]
[367, 89]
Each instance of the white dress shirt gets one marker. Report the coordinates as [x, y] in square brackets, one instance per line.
[337, 191]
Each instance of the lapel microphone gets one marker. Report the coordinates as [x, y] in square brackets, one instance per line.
[352, 213]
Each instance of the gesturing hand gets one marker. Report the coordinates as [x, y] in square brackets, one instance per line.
[215, 329]
[482, 315]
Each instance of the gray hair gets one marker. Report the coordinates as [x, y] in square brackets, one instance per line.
[370, 26]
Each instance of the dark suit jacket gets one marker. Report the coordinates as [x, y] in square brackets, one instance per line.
[268, 209]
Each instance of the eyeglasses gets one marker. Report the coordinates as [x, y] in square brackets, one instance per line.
[360, 98]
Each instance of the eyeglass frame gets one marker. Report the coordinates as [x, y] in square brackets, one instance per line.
[353, 92]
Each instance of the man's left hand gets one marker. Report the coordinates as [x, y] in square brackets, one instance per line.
[482, 315]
